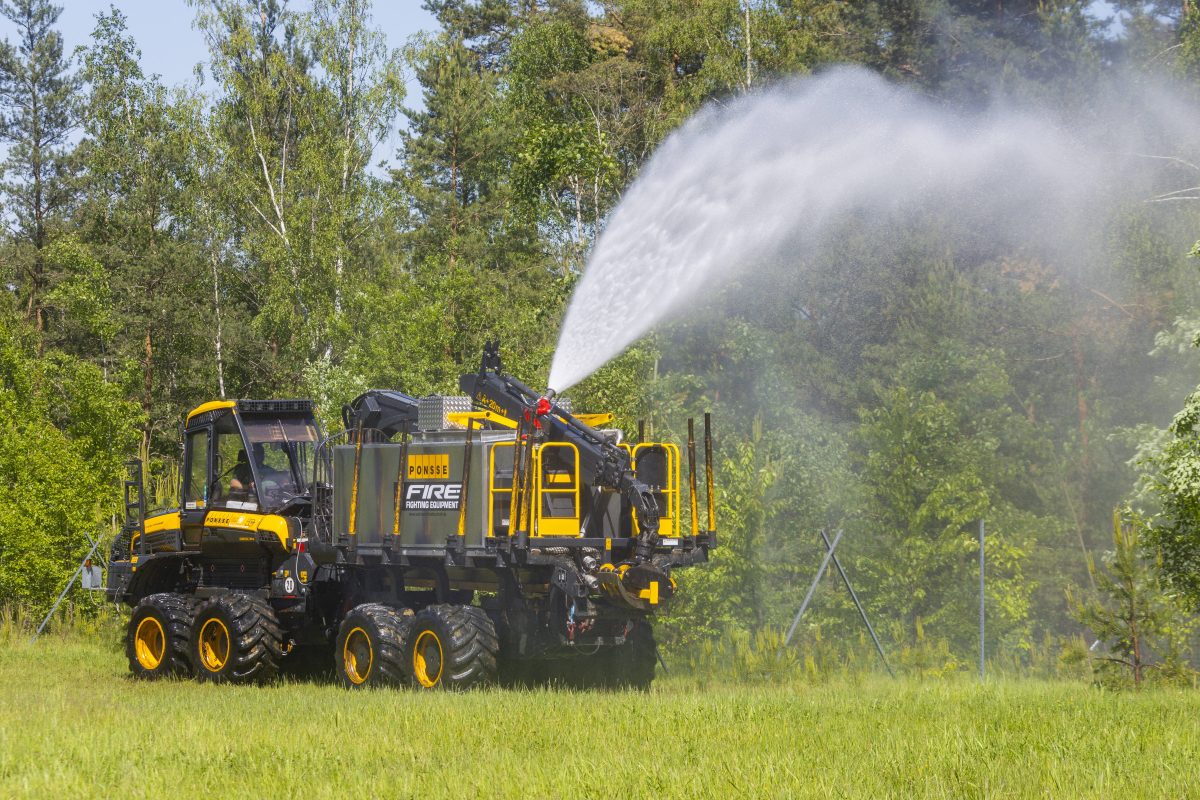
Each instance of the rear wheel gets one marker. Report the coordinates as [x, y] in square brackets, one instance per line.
[452, 647]
[370, 646]
[631, 665]
[157, 637]
[235, 639]
[609, 667]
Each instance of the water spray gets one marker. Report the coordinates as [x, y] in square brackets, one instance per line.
[766, 182]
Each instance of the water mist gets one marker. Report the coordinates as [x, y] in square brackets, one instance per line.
[764, 180]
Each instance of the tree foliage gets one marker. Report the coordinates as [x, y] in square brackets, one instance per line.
[260, 236]
[1135, 615]
[38, 106]
[66, 433]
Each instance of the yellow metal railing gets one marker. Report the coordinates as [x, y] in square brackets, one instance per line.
[558, 490]
[498, 493]
[556, 507]
[668, 492]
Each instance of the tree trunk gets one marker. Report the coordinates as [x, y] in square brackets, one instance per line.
[1135, 637]
[452, 255]
[147, 389]
[749, 74]
[213, 259]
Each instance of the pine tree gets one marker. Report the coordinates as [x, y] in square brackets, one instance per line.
[136, 162]
[466, 244]
[37, 114]
[1135, 615]
[975, 51]
[453, 155]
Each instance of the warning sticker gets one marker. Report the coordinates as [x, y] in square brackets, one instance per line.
[429, 466]
[432, 496]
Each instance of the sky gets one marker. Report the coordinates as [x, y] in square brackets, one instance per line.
[171, 47]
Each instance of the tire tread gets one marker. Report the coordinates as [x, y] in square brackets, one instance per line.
[389, 641]
[471, 646]
[256, 645]
[176, 611]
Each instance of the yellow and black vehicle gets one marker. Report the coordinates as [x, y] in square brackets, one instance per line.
[439, 541]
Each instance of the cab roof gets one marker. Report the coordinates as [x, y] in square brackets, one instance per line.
[253, 406]
[211, 405]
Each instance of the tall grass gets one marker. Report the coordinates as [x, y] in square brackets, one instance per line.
[73, 724]
[761, 657]
[86, 617]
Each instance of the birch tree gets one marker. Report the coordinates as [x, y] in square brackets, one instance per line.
[304, 98]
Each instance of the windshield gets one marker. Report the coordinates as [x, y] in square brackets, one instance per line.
[283, 455]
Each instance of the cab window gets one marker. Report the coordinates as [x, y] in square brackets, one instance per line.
[234, 482]
[195, 487]
[281, 450]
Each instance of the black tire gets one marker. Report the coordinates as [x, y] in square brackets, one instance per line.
[156, 640]
[235, 638]
[370, 647]
[631, 665]
[452, 647]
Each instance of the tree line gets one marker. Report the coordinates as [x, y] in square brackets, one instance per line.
[165, 245]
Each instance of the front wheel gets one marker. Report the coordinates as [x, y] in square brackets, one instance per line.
[452, 647]
[157, 636]
[370, 646]
[235, 639]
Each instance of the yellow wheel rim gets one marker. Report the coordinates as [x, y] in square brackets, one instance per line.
[214, 645]
[427, 659]
[357, 656]
[149, 643]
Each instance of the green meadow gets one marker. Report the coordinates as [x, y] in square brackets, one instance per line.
[73, 724]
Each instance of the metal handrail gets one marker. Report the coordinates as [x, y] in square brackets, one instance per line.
[321, 488]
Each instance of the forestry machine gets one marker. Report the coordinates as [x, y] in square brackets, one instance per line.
[443, 541]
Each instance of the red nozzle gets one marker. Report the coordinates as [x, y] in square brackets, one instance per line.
[543, 407]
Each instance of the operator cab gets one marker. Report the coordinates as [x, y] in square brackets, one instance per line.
[249, 455]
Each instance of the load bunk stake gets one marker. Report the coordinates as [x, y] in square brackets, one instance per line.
[353, 527]
[692, 475]
[401, 471]
[708, 470]
[466, 483]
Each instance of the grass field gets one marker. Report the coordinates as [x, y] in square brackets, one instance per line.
[72, 724]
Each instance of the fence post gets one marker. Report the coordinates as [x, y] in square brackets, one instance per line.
[982, 620]
[78, 571]
[808, 597]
